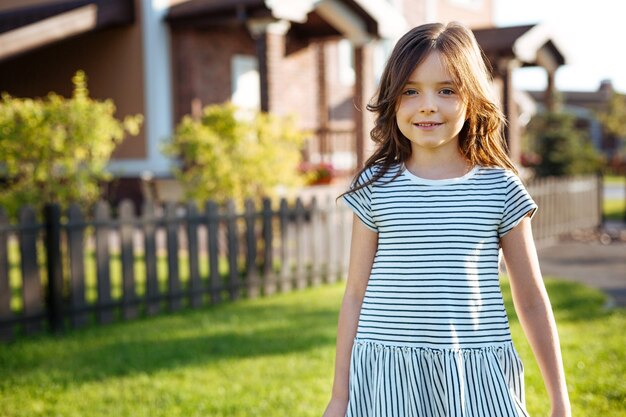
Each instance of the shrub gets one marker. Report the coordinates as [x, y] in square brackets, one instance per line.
[225, 154]
[558, 148]
[55, 150]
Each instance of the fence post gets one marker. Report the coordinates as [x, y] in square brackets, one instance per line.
[52, 216]
[6, 331]
[600, 182]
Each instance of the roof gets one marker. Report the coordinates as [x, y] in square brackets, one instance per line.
[26, 28]
[588, 99]
[358, 20]
[532, 45]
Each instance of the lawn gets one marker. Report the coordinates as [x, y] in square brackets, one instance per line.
[613, 209]
[267, 357]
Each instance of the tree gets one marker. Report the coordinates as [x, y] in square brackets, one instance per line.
[228, 154]
[560, 148]
[613, 119]
[55, 150]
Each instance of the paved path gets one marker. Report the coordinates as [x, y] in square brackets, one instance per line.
[592, 263]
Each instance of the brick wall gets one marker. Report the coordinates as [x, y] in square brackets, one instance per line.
[202, 64]
[293, 88]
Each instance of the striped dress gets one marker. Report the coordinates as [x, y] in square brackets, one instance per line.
[433, 337]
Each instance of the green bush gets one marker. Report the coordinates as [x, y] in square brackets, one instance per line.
[227, 154]
[55, 150]
[559, 148]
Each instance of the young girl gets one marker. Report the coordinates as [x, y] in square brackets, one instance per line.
[422, 329]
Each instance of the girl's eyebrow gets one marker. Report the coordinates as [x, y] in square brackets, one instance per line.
[446, 82]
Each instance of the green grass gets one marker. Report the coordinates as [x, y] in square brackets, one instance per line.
[613, 209]
[266, 357]
[614, 179]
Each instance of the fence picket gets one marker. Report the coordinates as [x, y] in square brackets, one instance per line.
[314, 237]
[300, 240]
[173, 276]
[215, 280]
[127, 230]
[233, 250]
[252, 273]
[32, 291]
[269, 277]
[76, 249]
[102, 217]
[150, 257]
[330, 229]
[6, 313]
[195, 285]
[285, 261]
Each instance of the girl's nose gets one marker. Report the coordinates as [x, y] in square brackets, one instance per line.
[428, 104]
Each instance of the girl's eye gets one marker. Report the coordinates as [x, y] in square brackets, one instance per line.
[410, 92]
[447, 92]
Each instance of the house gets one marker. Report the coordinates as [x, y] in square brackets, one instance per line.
[319, 59]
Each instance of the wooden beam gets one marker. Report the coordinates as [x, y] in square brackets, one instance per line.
[48, 30]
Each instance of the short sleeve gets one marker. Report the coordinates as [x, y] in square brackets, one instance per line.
[360, 200]
[517, 204]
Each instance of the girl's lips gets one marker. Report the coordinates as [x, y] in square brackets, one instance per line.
[427, 125]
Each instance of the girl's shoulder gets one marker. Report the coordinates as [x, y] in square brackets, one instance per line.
[378, 173]
[501, 173]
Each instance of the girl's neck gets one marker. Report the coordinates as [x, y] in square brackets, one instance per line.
[438, 166]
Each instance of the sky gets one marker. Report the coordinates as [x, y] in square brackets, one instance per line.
[591, 33]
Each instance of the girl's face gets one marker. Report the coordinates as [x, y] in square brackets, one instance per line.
[430, 112]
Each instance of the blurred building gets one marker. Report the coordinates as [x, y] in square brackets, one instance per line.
[319, 59]
[585, 105]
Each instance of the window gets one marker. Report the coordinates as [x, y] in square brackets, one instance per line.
[345, 62]
[246, 86]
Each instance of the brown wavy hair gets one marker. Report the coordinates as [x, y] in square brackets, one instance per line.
[481, 141]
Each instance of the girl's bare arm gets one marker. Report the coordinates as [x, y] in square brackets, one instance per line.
[535, 313]
[362, 250]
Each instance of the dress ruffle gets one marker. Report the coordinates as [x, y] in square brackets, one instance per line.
[397, 381]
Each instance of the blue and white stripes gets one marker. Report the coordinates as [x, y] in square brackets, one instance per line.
[433, 337]
[395, 381]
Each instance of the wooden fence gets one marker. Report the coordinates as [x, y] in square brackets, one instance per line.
[67, 271]
[566, 204]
